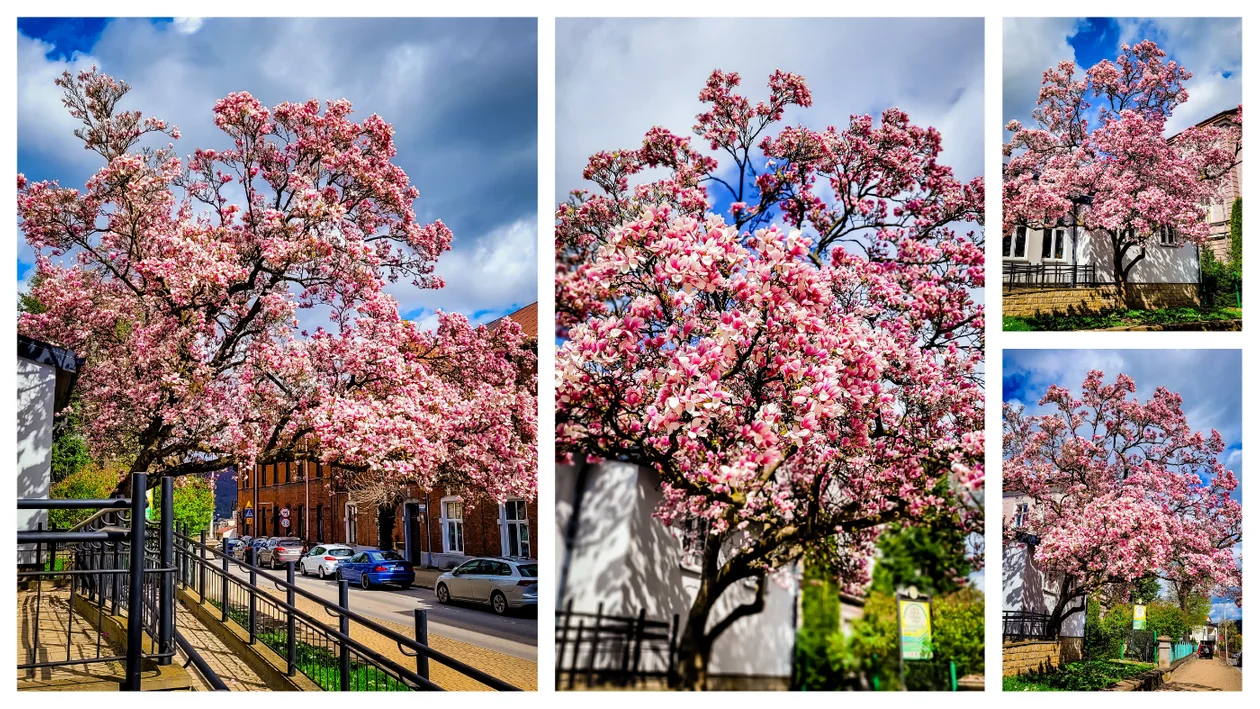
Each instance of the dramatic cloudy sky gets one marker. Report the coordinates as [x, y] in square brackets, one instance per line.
[1209, 381]
[1211, 48]
[461, 94]
[617, 78]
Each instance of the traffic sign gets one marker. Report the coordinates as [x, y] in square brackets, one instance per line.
[284, 512]
[284, 522]
[249, 504]
[249, 513]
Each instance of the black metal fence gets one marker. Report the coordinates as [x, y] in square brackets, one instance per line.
[111, 564]
[329, 656]
[1027, 625]
[613, 650]
[1050, 275]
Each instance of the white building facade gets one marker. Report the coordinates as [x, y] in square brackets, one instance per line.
[1169, 259]
[615, 553]
[1025, 587]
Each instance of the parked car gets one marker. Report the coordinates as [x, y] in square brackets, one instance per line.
[230, 544]
[374, 567]
[1238, 658]
[255, 545]
[1205, 651]
[502, 583]
[279, 551]
[238, 551]
[324, 559]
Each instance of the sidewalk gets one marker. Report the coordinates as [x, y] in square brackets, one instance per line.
[427, 578]
[1198, 675]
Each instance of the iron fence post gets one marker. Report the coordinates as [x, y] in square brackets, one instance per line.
[201, 587]
[135, 599]
[166, 579]
[343, 624]
[223, 599]
[422, 637]
[291, 642]
[253, 596]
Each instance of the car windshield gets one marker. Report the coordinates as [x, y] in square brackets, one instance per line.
[288, 541]
[340, 552]
[387, 556]
[529, 571]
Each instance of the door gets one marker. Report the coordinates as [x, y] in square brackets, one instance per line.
[499, 575]
[415, 533]
[311, 562]
[462, 580]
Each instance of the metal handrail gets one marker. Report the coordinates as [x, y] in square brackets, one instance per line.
[339, 611]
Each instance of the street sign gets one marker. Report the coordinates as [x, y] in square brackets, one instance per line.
[1139, 616]
[249, 513]
[284, 512]
[284, 522]
[249, 504]
[914, 621]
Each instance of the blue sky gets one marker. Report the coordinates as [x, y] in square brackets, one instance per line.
[633, 74]
[1211, 48]
[1209, 381]
[460, 93]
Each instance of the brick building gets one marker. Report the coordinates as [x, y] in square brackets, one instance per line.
[438, 527]
[1218, 214]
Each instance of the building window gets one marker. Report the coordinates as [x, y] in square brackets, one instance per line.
[515, 529]
[1021, 515]
[262, 521]
[452, 525]
[352, 524]
[695, 534]
[319, 522]
[319, 471]
[1052, 244]
[300, 530]
[1016, 245]
[1167, 235]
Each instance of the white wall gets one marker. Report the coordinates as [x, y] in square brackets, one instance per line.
[1027, 588]
[35, 388]
[626, 559]
[1163, 264]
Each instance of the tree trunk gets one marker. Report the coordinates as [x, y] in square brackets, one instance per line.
[691, 668]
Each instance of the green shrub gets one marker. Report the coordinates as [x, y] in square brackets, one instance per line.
[92, 482]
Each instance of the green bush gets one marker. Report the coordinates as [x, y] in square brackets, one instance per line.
[1083, 676]
[92, 482]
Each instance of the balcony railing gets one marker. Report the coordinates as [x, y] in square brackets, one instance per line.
[1027, 625]
[1050, 275]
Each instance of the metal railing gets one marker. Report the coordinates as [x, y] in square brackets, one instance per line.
[1180, 650]
[1027, 625]
[329, 656]
[1049, 275]
[611, 649]
[112, 563]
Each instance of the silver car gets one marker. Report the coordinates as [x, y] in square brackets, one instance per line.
[278, 551]
[324, 559]
[502, 583]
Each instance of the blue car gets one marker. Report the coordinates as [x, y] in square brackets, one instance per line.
[375, 567]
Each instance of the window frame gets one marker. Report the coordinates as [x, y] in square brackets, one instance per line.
[1013, 237]
[518, 526]
[447, 545]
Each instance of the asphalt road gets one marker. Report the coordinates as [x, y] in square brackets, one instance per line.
[514, 634]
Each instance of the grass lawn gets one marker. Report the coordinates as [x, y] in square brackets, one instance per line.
[1119, 318]
[1083, 676]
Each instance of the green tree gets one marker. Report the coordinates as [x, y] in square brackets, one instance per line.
[91, 482]
[1229, 630]
[194, 502]
[930, 558]
[1235, 235]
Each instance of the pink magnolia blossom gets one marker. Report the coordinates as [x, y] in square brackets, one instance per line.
[1122, 489]
[184, 303]
[799, 385]
[1114, 173]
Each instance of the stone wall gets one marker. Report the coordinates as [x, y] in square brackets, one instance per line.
[1027, 656]
[1071, 649]
[1026, 301]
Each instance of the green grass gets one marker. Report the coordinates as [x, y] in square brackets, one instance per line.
[1120, 318]
[1083, 676]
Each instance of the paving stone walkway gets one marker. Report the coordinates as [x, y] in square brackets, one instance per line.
[1201, 675]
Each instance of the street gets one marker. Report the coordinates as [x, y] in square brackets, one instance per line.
[515, 634]
[1198, 675]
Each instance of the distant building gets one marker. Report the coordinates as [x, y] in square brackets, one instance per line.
[438, 528]
[1218, 214]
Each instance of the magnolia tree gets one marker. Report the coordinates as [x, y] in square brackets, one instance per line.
[1119, 490]
[796, 386]
[1109, 169]
[180, 281]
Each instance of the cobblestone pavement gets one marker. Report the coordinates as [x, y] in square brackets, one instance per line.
[1198, 675]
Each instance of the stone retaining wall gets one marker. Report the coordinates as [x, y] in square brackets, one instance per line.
[1029, 301]
[1027, 656]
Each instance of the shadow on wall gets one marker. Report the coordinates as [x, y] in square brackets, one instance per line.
[1163, 264]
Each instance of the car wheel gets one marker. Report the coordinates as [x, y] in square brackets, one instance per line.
[498, 602]
[320, 571]
[365, 583]
[444, 595]
[303, 568]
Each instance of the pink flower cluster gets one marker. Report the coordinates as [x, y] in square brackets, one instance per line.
[184, 303]
[798, 386]
[1122, 489]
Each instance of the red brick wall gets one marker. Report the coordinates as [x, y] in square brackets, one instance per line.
[269, 489]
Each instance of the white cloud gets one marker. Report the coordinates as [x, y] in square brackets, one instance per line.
[1029, 47]
[187, 25]
[615, 79]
